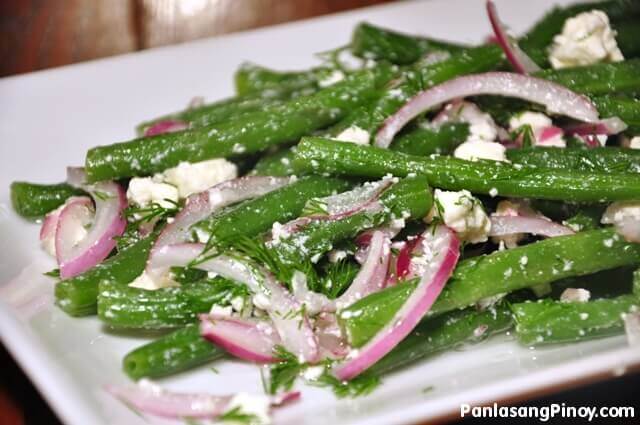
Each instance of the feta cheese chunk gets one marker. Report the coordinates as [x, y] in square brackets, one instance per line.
[575, 295]
[586, 39]
[354, 134]
[463, 213]
[539, 123]
[474, 150]
[254, 405]
[195, 177]
[335, 77]
[145, 281]
[144, 191]
[634, 143]
[617, 212]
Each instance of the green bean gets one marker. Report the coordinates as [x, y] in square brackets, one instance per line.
[552, 322]
[251, 78]
[372, 42]
[600, 160]
[231, 108]
[424, 141]
[32, 201]
[255, 216]
[178, 351]
[248, 134]
[538, 38]
[497, 273]
[78, 295]
[627, 109]
[445, 332]
[598, 79]
[485, 177]
[409, 198]
[125, 307]
[279, 163]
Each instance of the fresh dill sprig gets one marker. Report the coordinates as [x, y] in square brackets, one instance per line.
[314, 206]
[526, 134]
[337, 278]
[53, 273]
[151, 212]
[283, 374]
[357, 387]
[238, 416]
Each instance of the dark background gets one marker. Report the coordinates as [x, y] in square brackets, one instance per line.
[39, 34]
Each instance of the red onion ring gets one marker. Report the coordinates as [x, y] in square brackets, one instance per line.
[201, 205]
[556, 98]
[519, 59]
[607, 126]
[165, 126]
[372, 275]
[505, 225]
[287, 314]
[110, 200]
[157, 401]
[445, 247]
[332, 343]
[246, 339]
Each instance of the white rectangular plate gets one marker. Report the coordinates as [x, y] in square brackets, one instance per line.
[49, 119]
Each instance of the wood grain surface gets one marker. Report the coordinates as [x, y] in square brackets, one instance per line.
[38, 34]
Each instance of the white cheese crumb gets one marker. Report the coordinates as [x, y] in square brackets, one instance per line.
[335, 77]
[313, 373]
[538, 122]
[586, 39]
[195, 177]
[474, 150]
[144, 281]
[463, 213]
[493, 192]
[634, 143]
[143, 191]
[575, 295]
[221, 311]
[354, 134]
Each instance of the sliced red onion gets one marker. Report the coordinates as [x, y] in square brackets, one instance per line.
[165, 126]
[154, 400]
[607, 126]
[343, 205]
[372, 275]
[443, 247]
[108, 223]
[246, 339]
[313, 301]
[519, 59]
[403, 260]
[201, 205]
[50, 223]
[503, 225]
[556, 98]
[333, 344]
[547, 133]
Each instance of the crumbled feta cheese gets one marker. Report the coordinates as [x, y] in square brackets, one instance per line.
[354, 134]
[195, 177]
[144, 191]
[336, 255]
[539, 123]
[278, 233]
[335, 77]
[254, 405]
[617, 212]
[313, 373]
[575, 295]
[586, 39]
[261, 301]
[221, 311]
[634, 143]
[144, 281]
[463, 213]
[237, 303]
[477, 149]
